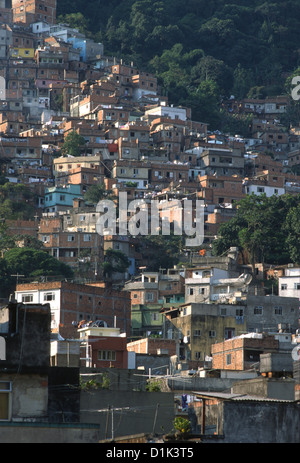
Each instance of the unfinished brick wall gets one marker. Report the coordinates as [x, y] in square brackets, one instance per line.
[151, 346]
[230, 354]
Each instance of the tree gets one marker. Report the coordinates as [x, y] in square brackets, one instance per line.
[7, 281]
[242, 81]
[96, 193]
[35, 263]
[32, 263]
[77, 21]
[264, 228]
[73, 144]
[15, 201]
[228, 236]
[115, 261]
[293, 233]
[210, 69]
[204, 103]
[167, 251]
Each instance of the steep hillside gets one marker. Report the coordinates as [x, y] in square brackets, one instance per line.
[199, 50]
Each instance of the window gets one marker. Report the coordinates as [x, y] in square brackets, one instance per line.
[155, 317]
[212, 334]
[27, 298]
[228, 359]
[229, 333]
[277, 310]
[49, 296]
[86, 237]
[239, 312]
[258, 310]
[149, 297]
[107, 355]
[283, 287]
[5, 400]
[71, 238]
[197, 355]
[197, 333]
[297, 286]
[223, 311]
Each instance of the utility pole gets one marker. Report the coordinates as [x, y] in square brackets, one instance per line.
[17, 275]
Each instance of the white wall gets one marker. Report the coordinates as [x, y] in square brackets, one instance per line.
[39, 297]
[289, 286]
[268, 190]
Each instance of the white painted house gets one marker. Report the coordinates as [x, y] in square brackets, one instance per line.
[289, 284]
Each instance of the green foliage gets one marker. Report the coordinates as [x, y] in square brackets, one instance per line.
[182, 425]
[241, 46]
[266, 228]
[96, 193]
[35, 263]
[73, 144]
[160, 251]
[102, 383]
[292, 227]
[76, 21]
[14, 201]
[153, 385]
[115, 261]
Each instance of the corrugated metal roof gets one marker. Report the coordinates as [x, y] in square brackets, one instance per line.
[238, 397]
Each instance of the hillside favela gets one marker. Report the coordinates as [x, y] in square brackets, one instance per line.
[149, 223]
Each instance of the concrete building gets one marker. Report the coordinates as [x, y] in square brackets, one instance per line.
[103, 346]
[233, 417]
[289, 283]
[61, 198]
[223, 161]
[196, 327]
[266, 313]
[23, 366]
[171, 112]
[215, 284]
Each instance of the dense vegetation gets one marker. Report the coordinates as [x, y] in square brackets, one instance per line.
[265, 229]
[200, 51]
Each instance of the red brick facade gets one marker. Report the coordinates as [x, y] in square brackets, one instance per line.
[87, 302]
[153, 346]
[231, 354]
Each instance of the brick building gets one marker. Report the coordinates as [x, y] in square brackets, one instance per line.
[6, 15]
[153, 346]
[242, 352]
[72, 303]
[221, 189]
[32, 11]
